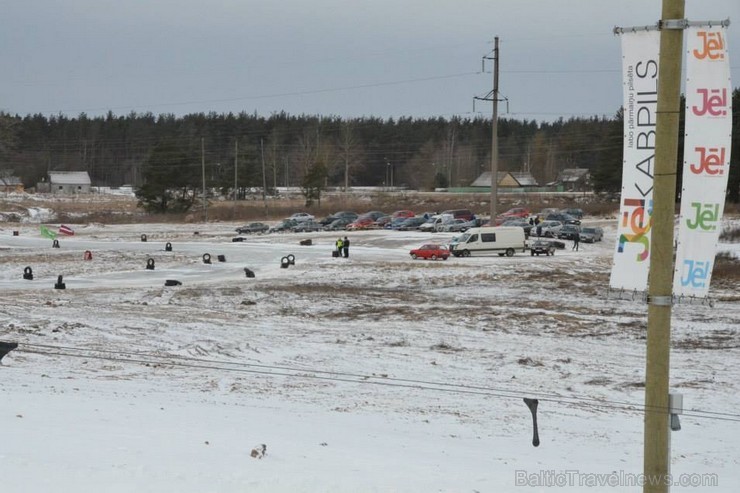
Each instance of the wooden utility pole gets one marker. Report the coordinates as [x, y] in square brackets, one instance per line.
[657, 372]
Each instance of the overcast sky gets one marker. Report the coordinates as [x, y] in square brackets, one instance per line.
[349, 58]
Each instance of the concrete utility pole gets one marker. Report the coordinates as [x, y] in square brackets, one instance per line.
[264, 177]
[494, 136]
[203, 168]
[660, 289]
[236, 166]
[493, 96]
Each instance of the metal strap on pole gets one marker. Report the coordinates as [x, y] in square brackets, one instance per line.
[660, 300]
[671, 24]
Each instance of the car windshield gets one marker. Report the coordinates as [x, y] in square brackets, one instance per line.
[464, 238]
[588, 230]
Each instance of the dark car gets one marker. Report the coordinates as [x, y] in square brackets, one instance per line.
[382, 221]
[522, 223]
[591, 234]
[568, 232]
[395, 222]
[306, 226]
[374, 215]
[430, 251]
[542, 246]
[339, 215]
[466, 214]
[411, 223]
[284, 225]
[338, 224]
[253, 228]
[563, 218]
[577, 213]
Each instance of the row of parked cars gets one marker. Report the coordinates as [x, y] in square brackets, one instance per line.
[457, 220]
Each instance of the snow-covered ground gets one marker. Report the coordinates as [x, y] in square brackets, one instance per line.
[375, 373]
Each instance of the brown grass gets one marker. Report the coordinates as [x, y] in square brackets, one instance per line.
[726, 268]
[730, 234]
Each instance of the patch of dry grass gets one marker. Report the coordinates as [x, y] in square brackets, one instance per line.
[726, 268]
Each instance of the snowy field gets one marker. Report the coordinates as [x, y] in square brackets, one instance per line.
[375, 373]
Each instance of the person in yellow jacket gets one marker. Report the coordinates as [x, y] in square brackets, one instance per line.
[339, 246]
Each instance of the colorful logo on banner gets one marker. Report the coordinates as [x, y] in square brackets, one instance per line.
[640, 86]
[708, 131]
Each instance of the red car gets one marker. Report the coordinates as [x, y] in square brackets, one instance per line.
[404, 214]
[516, 212]
[430, 251]
[361, 223]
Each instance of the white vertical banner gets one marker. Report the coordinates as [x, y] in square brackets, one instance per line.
[640, 52]
[707, 141]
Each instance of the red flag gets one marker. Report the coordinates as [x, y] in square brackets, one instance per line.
[66, 230]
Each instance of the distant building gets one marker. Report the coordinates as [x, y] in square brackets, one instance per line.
[575, 180]
[506, 179]
[66, 182]
[11, 184]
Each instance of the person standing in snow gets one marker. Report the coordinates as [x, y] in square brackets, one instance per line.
[339, 246]
[576, 240]
[345, 247]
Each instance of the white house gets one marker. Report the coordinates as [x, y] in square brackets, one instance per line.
[67, 182]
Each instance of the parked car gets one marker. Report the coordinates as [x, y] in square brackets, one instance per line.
[549, 229]
[568, 232]
[560, 245]
[412, 223]
[563, 218]
[395, 222]
[403, 213]
[522, 223]
[466, 214]
[374, 215]
[542, 246]
[361, 223]
[339, 215]
[382, 221]
[284, 225]
[299, 217]
[253, 228]
[431, 251]
[454, 226]
[516, 212]
[306, 226]
[338, 224]
[431, 224]
[591, 234]
[573, 211]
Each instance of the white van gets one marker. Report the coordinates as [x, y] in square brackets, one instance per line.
[504, 240]
[435, 222]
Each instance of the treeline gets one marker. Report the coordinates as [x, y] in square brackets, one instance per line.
[416, 153]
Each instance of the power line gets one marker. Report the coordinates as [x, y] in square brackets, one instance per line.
[344, 377]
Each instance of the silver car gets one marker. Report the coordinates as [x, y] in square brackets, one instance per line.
[548, 229]
[591, 234]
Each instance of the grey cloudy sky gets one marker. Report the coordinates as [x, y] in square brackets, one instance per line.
[350, 58]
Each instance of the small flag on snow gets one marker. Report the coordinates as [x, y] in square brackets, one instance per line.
[66, 230]
[46, 232]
